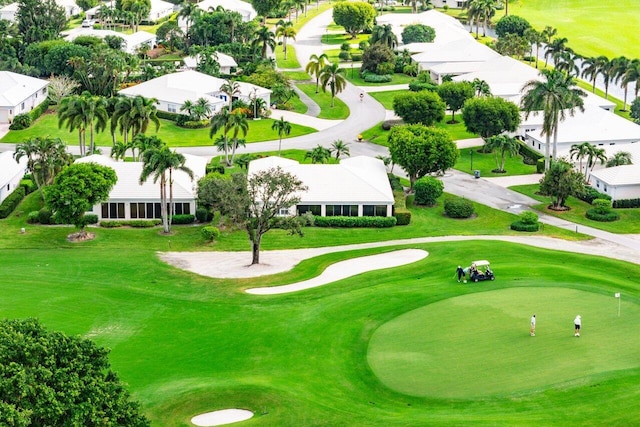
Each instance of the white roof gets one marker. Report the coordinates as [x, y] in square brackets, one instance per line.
[139, 37]
[131, 41]
[9, 168]
[160, 8]
[128, 185]
[187, 85]
[15, 88]
[446, 27]
[243, 8]
[594, 125]
[12, 7]
[619, 175]
[462, 50]
[223, 59]
[455, 67]
[354, 180]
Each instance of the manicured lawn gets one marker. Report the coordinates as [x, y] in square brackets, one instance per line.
[298, 106]
[174, 136]
[593, 27]
[338, 112]
[297, 75]
[485, 163]
[386, 98]
[379, 136]
[291, 61]
[629, 221]
[397, 79]
[341, 38]
[332, 54]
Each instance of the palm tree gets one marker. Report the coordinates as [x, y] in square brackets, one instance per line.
[567, 62]
[332, 75]
[579, 152]
[554, 48]
[487, 11]
[119, 151]
[45, 158]
[474, 14]
[555, 95]
[632, 75]
[590, 70]
[221, 121]
[595, 155]
[619, 159]
[144, 143]
[384, 34]
[547, 34]
[142, 113]
[202, 109]
[285, 30]
[315, 66]
[237, 123]
[535, 38]
[607, 70]
[318, 154]
[157, 162]
[188, 106]
[264, 39]
[73, 115]
[481, 87]
[620, 67]
[121, 117]
[339, 148]
[283, 127]
[231, 89]
[188, 11]
[501, 145]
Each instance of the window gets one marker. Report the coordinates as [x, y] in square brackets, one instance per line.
[113, 210]
[44, 90]
[22, 106]
[172, 108]
[374, 210]
[181, 208]
[342, 210]
[460, 4]
[283, 212]
[597, 184]
[314, 209]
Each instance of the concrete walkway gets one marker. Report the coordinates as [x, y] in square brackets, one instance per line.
[304, 119]
[313, 109]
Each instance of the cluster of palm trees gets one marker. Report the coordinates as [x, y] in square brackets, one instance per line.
[326, 74]
[228, 121]
[46, 157]
[199, 110]
[321, 154]
[480, 12]
[87, 112]
[595, 155]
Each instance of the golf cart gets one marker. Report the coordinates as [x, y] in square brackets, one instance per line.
[480, 271]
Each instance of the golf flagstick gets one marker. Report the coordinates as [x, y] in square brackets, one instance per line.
[617, 295]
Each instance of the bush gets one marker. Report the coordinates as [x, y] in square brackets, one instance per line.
[388, 124]
[213, 167]
[21, 121]
[529, 155]
[38, 111]
[183, 219]
[385, 68]
[32, 217]
[169, 116]
[418, 33]
[375, 78]
[409, 200]
[403, 216]
[344, 55]
[427, 190]
[594, 215]
[44, 216]
[458, 208]
[28, 185]
[142, 223]
[602, 206]
[306, 219]
[395, 183]
[90, 219]
[194, 124]
[417, 86]
[626, 203]
[355, 221]
[520, 226]
[110, 224]
[203, 215]
[210, 233]
[590, 194]
[11, 202]
[540, 166]
[528, 217]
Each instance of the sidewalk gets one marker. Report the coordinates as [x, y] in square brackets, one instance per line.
[304, 119]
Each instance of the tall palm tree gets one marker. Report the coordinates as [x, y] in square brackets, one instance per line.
[474, 14]
[607, 71]
[339, 148]
[590, 70]
[487, 11]
[547, 34]
[286, 31]
[73, 115]
[567, 62]
[619, 159]
[188, 11]
[595, 155]
[143, 143]
[283, 127]
[579, 152]
[97, 116]
[143, 112]
[555, 95]
[157, 162]
[620, 67]
[332, 75]
[238, 123]
[535, 38]
[221, 121]
[121, 117]
[555, 48]
[315, 65]
[231, 89]
[45, 158]
[632, 75]
[264, 39]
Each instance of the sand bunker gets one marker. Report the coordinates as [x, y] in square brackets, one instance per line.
[348, 268]
[222, 417]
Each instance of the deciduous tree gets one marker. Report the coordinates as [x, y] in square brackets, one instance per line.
[490, 116]
[455, 94]
[561, 181]
[355, 17]
[424, 107]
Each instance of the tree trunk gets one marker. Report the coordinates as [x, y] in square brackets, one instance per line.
[555, 143]
[547, 162]
[171, 208]
[163, 203]
[624, 105]
[255, 251]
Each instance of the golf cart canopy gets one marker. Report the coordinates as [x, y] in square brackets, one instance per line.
[481, 263]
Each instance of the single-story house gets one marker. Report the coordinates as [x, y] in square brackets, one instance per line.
[159, 10]
[19, 94]
[244, 8]
[131, 200]
[453, 4]
[226, 62]
[172, 90]
[70, 7]
[595, 125]
[9, 11]
[458, 57]
[447, 28]
[357, 186]
[619, 182]
[11, 172]
[131, 41]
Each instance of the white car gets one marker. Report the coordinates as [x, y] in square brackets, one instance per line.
[88, 23]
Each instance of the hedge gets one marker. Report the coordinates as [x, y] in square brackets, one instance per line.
[355, 221]
[135, 223]
[458, 208]
[521, 226]
[28, 185]
[403, 216]
[626, 203]
[529, 153]
[168, 116]
[594, 215]
[417, 86]
[90, 219]
[590, 194]
[375, 78]
[11, 202]
[39, 110]
[183, 219]
[194, 124]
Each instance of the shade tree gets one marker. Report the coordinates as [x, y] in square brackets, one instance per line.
[490, 116]
[418, 33]
[424, 107]
[561, 181]
[455, 94]
[355, 17]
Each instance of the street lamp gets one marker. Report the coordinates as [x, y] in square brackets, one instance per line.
[255, 104]
[471, 154]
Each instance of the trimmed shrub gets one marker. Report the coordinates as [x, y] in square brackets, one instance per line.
[356, 57]
[143, 223]
[540, 165]
[417, 86]
[194, 124]
[403, 216]
[427, 190]
[394, 181]
[590, 194]
[388, 124]
[110, 224]
[215, 168]
[210, 233]
[528, 217]
[529, 155]
[344, 55]
[204, 215]
[90, 219]
[44, 216]
[594, 215]
[355, 221]
[32, 217]
[602, 206]
[520, 226]
[11, 202]
[168, 116]
[183, 219]
[38, 111]
[409, 201]
[458, 208]
[28, 185]
[375, 78]
[626, 203]
[21, 121]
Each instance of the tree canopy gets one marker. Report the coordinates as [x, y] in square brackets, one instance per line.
[421, 150]
[560, 181]
[424, 107]
[490, 116]
[51, 379]
[512, 24]
[455, 94]
[418, 33]
[355, 17]
[39, 20]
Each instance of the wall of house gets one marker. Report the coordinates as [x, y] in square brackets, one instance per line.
[8, 187]
[7, 114]
[124, 211]
[620, 192]
[323, 208]
[454, 4]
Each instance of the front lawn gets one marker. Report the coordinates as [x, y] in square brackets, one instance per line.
[292, 59]
[339, 111]
[396, 79]
[485, 163]
[379, 136]
[342, 38]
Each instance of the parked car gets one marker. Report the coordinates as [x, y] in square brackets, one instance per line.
[88, 23]
[481, 270]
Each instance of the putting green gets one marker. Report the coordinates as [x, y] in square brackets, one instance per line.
[478, 345]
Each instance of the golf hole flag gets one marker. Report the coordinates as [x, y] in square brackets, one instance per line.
[617, 294]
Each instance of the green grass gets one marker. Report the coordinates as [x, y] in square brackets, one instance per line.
[297, 75]
[341, 38]
[593, 27]
[485, 163]
[386, 98]
[291, 61]
[397, 79]
[379, 136]
[332, 55]
[629, 221]
[298, 106]
[487, 333]
[174, 136]
[338, 112]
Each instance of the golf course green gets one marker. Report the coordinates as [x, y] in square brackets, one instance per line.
[478, 345]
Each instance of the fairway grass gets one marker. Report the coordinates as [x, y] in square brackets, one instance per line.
[481, 345]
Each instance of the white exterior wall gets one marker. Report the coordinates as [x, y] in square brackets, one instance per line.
[97, 209]
[323, 207]
[8, 187]
[617, 192]
[454, 4]
[8, 113]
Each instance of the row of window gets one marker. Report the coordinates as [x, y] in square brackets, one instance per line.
[343, 210]
[141, 210]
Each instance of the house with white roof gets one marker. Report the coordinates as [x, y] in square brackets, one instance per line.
[454, 4]
[159, 10]
[244, 8]
[131, 200]
[619, 182]
[446, 27]
[226, 62]
[173, 90]
[11, 172]
[9, 11]
[19, 94]
[357, 186]
[131, 42]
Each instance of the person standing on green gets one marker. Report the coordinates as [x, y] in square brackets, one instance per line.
[577, 323]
